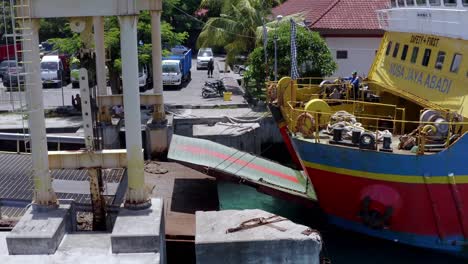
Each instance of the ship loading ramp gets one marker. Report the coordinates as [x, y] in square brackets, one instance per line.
[229, 164]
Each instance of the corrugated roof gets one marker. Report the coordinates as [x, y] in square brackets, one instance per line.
[312, 9]
[335, 14]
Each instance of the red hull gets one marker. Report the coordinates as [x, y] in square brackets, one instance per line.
[287, 140]
[418, 208]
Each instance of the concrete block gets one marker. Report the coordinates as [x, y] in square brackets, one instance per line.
[140, 231]
[39, 231]
[280, 241]
[244, 136]
[111, 136]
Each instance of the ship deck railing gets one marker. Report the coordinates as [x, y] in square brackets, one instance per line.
[386, 117]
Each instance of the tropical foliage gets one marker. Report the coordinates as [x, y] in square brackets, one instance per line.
[112, 42]
[69, 45]
[235, 27]
[313, 56]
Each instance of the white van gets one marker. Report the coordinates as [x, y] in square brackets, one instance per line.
[52, 71]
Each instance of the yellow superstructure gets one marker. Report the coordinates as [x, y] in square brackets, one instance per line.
[431, 71]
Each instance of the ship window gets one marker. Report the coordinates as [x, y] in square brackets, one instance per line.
[341, 54]
[404, 52]
[389, 47]
[414, 55]
[456, 62]
[426, 57]
[393, 3]
[465, 2]
[450, 2]
[409, 2]
[421, 2]
[395, 51]
[440, 60]
[434, 2]
[401, 3]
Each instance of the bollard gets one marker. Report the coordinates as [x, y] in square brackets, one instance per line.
[337, 134]
[356, 135]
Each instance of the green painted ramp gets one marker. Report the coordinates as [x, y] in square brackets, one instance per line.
[240, 165]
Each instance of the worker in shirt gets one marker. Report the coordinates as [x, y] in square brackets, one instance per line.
[354, 81]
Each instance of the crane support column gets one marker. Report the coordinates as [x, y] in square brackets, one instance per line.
[98, 23]
[43, 192]
[137, 196]
[157, 131]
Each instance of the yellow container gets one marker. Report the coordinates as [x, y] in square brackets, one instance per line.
[227, 96]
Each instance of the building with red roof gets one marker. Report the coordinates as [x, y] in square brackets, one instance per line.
[350, 28]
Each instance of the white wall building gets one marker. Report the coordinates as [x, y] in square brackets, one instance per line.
[353, 54]
[350, 28]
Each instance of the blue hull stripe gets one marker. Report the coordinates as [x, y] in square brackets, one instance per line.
[452, 160]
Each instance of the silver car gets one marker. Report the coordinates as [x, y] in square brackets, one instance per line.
[10, 80]
[204, 56]
[5, 65]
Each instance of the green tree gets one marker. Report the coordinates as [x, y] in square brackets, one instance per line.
[112, 43]
[313, 55]
[69, 45]
[178, 14]
[54, 28]
[236, 27]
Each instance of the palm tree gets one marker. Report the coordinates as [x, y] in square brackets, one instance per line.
[235, 28]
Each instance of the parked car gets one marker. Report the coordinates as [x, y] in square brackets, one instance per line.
[145, 80]
[55, 70]
[176, 67]
[5, 65]
[203, 57]
[10, 80]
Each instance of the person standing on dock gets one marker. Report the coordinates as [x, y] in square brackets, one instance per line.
[210, 68]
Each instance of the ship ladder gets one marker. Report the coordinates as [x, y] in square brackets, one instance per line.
[21, 16]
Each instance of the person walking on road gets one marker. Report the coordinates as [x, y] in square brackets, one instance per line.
[210, 68]
[76, 102]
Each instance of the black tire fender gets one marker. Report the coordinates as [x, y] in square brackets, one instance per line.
[367, 141]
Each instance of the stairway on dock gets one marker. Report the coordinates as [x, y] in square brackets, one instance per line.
[234, 165]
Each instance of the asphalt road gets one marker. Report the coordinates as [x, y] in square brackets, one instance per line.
[189, 94]
[53, 97]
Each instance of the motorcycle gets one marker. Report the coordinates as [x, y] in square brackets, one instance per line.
[239, 69]
[213, 89]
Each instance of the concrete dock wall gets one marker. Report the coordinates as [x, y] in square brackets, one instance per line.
[219, 240]
[268, 133]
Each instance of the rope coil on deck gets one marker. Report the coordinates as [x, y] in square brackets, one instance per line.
[305, 130]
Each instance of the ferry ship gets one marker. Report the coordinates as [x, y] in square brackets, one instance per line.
[391, 160]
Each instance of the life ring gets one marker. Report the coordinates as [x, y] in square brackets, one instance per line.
[306, 130]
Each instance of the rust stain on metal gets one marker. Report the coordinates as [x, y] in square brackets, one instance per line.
[98, 202]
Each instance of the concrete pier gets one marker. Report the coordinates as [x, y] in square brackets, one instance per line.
[39, 231]
[140, 231]
[233, 236]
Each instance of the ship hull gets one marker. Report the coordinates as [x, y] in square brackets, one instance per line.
[416, 200]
